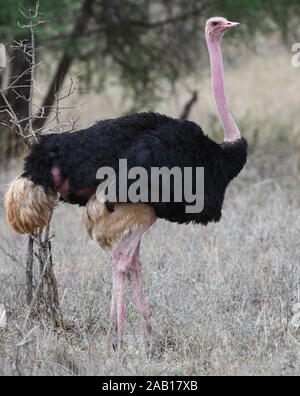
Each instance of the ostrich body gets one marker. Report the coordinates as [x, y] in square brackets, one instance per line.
[66, 164]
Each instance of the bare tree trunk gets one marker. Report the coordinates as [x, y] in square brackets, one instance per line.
[42, 290]
[65, 63]
[47, 293]
[12, 144]
[29, 269]
[188, 106]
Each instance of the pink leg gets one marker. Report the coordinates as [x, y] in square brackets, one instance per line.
[140, 299]
[123, 259]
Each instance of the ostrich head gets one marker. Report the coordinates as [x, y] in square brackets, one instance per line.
[217, 26]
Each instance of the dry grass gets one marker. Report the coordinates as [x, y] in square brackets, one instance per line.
[220, 296]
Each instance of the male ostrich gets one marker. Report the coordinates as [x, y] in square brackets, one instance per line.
[67, 164]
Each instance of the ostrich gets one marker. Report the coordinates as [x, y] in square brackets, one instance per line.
[66, 164]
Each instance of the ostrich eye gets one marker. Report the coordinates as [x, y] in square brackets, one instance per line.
[215, 23]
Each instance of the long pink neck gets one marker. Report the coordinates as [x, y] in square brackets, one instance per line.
[217, 73]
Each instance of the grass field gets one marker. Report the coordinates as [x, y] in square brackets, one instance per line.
[221, 296]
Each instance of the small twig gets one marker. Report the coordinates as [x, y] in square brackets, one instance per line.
[32, 74]
[14, 259]
[29, 268]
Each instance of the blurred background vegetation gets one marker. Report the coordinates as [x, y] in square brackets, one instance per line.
[142, 47]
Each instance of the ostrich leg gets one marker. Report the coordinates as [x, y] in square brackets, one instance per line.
[140, 299]
[125, 259]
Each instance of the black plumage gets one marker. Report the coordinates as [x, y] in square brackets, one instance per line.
[144, 139]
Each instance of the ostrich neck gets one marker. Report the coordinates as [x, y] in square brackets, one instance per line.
[217, 73]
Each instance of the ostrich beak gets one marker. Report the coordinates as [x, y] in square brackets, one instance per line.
[230, 25]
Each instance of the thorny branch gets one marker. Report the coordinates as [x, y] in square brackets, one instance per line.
[24, 126]
[42, 293]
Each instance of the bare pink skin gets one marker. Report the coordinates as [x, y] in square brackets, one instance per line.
[63, 186]
[126, 263]
[136, 282]
[213, 34]
[55, 172]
